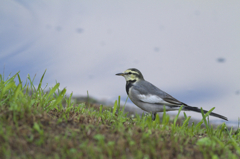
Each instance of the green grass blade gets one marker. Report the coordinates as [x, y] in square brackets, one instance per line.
[115, 107]
[69, 100]
[40, 83]
[185, 116]
[185, 123]
[157, 119]
[119, 99]
[53, 90]
[59, 98]
[204, 119]
[175, 120]
[6, 88]
[124, 105]
[19, 79]
[100, 109]
[204, 116]
[17, 91]
[31, 84]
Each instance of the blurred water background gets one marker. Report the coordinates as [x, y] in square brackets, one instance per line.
[190, 49]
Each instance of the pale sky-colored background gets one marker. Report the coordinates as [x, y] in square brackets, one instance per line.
[190, 49]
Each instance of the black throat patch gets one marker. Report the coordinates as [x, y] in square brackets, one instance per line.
[129, 85]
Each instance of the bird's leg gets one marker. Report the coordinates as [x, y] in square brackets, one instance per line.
[154, 116]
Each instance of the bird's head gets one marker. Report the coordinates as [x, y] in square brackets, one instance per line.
[131, 74]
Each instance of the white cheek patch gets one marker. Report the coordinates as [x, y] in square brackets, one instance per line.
[152, 99]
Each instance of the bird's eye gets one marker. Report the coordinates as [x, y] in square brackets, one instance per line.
[130, 73]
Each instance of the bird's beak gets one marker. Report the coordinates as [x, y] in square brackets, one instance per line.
[120, 74]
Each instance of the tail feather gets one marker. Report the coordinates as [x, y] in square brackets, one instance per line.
[196, 109]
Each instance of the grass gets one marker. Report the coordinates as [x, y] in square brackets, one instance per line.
[46, 124]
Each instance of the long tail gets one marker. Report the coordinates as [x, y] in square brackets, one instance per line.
[196, 109]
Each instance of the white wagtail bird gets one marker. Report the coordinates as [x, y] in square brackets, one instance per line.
[152, 99]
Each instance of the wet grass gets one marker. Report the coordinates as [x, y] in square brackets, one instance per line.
[49, 125]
